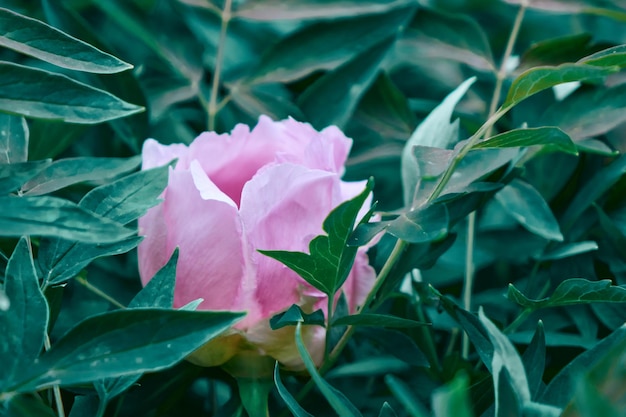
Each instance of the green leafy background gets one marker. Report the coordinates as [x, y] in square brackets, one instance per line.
[493, 130]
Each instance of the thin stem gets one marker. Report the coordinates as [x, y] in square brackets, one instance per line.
[469, 276]
[58, 401]
[99, 292]
[329, 321]
[219, 58]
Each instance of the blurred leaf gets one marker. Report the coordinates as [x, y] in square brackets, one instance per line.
[554, 51]
[508, 402]
[49, 138]
[387, 411]
[424, 224]
[522, 201]
[272, 100]
[596, 146]
[595, 187]
[569, 249]
[335, 398]
[13, 139]
[402, 393]
[331, 100]
[615, 56]
[538, 79]
[14, 175]
[398, 344]
[269, 10]
[307, 50]
[290, 402]
[45, 95]
[331, 258]
[452, 399]
[35, 38]
[571, 7]
[561, 388]
[85, 406]
[24, 322]
[436, 35]
[123, 342]
[573, 291]
[69, 171]
[27, 405]
[588, 113]
[51, 216]
[377, 320]
[551, 137]
[374, 366]
[295, 315]
[534, 359]
[435, 131]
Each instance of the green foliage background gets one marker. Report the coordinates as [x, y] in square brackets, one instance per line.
[525, 297]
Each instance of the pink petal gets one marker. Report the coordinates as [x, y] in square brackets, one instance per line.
[154, 154]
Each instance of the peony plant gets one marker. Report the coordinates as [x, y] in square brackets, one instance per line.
[231, 195]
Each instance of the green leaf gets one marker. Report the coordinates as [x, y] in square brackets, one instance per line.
[398, 344]
[28, 405]
[35, 38]
[307, 50]
[562, 387]
[538, 79]
[387, 411]
[295, 315]
[13, 139]
[270, 10]
[51, 216]
[377, 320]
[370, 366]
[24, 323]
[573, 291]
[331, 258]
[435, 35]
[66, 172]
[335, 398]
[42, 94]
[290, 402]
[12, 176]
[593, 189]
[435, 131]
[569, 249]
[331, 100]
[555, 51]
[403, 394]
[522, 201]
[551, 137]
[424, 224]
[159, 291]
[128, 198]
[534, 359]
[452, 400]
[588, 113]
[615, 56]
[123, 342]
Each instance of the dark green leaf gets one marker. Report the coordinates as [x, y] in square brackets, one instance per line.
[408, 399]
[27, 405]
[307, 50]
[522, 201]
[65, 172]
[374, 366]
[269, 10]
[435, 131]
[51, 216]
[14, 175]
[569, 249]
[615, 56]
[331, 100]
[421, 225]
[508, 403]
[452, 400]
[398, 344]
[377, 320]
[387, 411]
[35, 38]
[537, 79]
[534, 359]
[13, 139]
[123, 342]
[335, 398]
[159, 291]
[41, 94]
[551, 137]
[573, 291]
[554, 51]
[291, 402]
[24, 322]
[561, 388]
[295, 315]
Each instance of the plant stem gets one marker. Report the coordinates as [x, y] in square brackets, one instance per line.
[469, 276]
[219, 58]
[99, 292]
[58, 401]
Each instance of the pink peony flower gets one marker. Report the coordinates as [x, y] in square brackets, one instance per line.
[227, 197]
